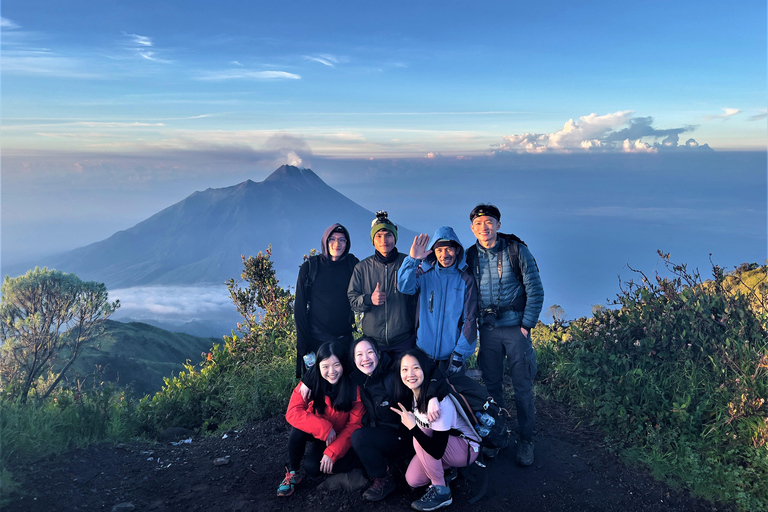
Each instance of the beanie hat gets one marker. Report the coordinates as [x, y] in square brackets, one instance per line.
[382, 222]
[444, 242]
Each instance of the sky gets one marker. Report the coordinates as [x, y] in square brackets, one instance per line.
[114, 110]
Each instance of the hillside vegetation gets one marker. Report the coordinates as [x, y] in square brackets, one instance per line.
[138, 355]
[676, 373]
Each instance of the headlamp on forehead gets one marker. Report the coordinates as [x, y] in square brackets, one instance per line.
[485, 210]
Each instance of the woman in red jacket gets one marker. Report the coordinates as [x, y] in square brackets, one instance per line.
[326, 422]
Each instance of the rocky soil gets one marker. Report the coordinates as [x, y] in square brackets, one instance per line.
[240, 471]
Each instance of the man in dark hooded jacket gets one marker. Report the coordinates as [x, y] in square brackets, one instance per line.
[322, 311]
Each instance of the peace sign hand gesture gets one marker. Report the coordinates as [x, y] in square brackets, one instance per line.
[406, 417]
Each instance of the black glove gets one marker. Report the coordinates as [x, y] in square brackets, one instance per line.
[457, 363]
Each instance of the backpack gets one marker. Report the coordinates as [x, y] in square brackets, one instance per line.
[513, 251]
[481, 411]
[472, 402]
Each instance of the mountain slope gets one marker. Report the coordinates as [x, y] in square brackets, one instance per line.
[201, 238]
[139, 355]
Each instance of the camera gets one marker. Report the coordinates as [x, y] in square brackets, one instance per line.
[488, 317]
[381, 216]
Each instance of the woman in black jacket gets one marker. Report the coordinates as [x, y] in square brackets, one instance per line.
[383, 439]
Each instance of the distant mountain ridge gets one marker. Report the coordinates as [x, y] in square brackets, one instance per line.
[200, 239]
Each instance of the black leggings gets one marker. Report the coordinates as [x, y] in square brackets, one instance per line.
[297, 445]
[378, 447]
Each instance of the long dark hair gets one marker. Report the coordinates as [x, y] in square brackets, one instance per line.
[402, 393]
[342, 393]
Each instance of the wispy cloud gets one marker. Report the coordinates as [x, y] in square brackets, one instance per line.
[244, 74]
[7, 24]
[90, 124]
[140, 40]
[24, 53]
[619, 131]
[759, 116]
[326, 59]
[140, 45]
[151, 57]
[727, 112]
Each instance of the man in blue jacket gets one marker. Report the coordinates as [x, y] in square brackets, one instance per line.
[447, 307]
[511, 296]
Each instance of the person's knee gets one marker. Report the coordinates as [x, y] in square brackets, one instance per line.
[358, 439]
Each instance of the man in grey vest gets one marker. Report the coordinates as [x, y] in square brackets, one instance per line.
[510, 300]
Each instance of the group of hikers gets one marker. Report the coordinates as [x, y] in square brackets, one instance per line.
[382, 398]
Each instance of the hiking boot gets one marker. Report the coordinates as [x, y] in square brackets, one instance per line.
[524, 453]
[380, 488]
[433, 500]
[451, 475]
[490, 453]
[292, 478]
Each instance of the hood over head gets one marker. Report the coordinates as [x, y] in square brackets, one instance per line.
[447, 233]
[334, 228]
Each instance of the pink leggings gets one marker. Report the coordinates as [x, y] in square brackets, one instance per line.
[425, 469]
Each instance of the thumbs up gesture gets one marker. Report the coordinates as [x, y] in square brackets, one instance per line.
[378, 297]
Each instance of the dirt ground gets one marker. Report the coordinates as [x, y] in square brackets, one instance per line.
[573, 472]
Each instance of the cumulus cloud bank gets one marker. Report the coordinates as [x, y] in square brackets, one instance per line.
[616, 132]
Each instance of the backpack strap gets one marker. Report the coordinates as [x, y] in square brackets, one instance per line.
[513, 253]
[311, 276]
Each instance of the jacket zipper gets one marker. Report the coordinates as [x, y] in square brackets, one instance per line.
[386, 310]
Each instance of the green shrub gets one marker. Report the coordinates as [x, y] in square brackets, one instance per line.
[679, 374]
[247, 378]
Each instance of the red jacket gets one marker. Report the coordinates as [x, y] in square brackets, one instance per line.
[301, 416]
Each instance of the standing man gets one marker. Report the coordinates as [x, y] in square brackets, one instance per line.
[510, 296]
[321, 309]
[447, 308]
[387, 314]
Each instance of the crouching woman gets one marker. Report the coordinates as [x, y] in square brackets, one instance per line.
[326, 421]
[448, 442]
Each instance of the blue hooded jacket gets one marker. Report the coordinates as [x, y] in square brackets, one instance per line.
[447, 306]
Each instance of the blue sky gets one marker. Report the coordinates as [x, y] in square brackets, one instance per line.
[385, 80]
[114, 110]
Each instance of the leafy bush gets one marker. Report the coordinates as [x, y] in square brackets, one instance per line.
[680, 374]
[250, 376]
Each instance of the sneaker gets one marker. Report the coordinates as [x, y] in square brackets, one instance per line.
[451, 475]
[292, 478]
[432, 500]
[380, 488]
[524, 453]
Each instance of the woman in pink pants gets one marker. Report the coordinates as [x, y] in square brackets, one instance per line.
[448, 442]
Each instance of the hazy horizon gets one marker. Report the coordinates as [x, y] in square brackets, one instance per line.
[604, 131]
[586, 218]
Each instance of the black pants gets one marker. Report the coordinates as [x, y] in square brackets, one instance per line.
[378, 447]
[297, 446]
